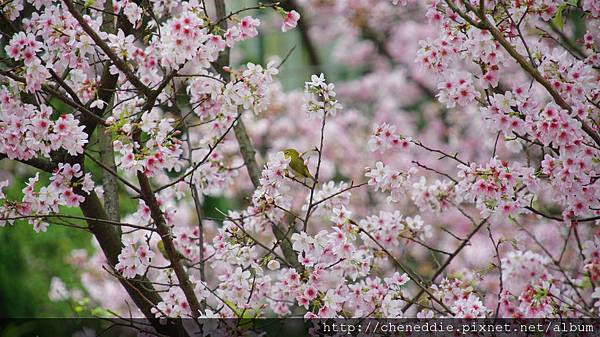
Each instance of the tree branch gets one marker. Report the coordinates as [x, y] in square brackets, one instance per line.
[110, 243]
[167, 238]
[528, 67]
[441, 269]
[246, 148]
[119, 63]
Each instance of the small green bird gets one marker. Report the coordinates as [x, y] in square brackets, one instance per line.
[297, 164]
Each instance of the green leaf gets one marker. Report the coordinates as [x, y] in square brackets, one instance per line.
[559, 19]
[240, 313]
[101, 312]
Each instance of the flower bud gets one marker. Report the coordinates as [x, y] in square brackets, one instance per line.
[273, 265]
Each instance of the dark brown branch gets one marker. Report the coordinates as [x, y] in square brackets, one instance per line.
[316, 179]
[407, 271]
[110, 243]
[441, 269]
[39, 163]
[167, 238]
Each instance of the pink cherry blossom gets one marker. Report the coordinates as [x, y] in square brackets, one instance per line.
[290, 21]
[454, 148]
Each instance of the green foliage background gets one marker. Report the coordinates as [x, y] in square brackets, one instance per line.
[28, 261]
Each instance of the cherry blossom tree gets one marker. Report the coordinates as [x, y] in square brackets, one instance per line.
[455, 157]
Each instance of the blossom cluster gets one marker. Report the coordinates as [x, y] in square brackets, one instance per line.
[461, 298]
[320, 97]
[27, 131]
[161, 152]
[496, 186]
[438, 196]
[134, 259]
[385, 137]
[46, 200]
[386, 179]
